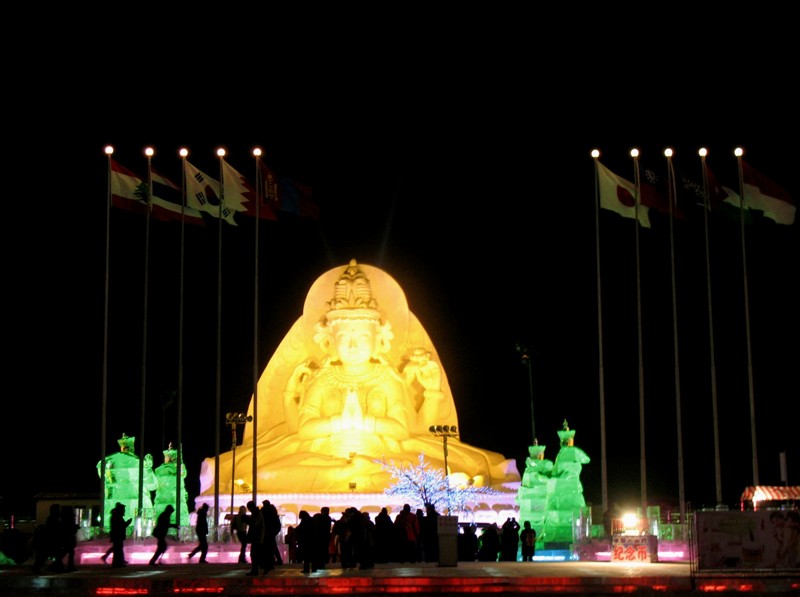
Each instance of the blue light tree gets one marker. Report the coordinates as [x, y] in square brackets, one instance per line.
[422, 484]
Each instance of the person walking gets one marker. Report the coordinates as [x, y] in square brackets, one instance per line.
[201, 530]
[119, 530]
[163, 525]
[272, 528]
[239, 526]
[68, 540]
[48, 541]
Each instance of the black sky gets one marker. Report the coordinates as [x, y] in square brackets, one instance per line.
[455, 158]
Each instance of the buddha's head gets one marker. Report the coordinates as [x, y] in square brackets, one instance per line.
[352, 329]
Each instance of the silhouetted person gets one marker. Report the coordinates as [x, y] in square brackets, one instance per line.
[45, 539]
[272, 527]
[509, 540]
[429, 526]
[342, 532]
[468, 544]
[255, 537]
[68, 540]
[304, 533]
[163, 525]
[363, 540]
[527, 539]
[322, 538]
[239, 527]
[408, 531]
[201, 530]
[489, 544]
[52, 536]
[117, 534]
[384, 537]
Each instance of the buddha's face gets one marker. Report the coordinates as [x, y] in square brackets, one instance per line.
[354, 340]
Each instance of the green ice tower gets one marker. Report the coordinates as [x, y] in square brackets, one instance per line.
[551, 494]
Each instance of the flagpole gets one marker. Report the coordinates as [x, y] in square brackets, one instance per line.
[678, 417]
[600, 368]
[713, 364]
[183, 152]
[643, 461]
[104, 390]
[738, 153]
[218, 393]
[149, 153]
[257, 155]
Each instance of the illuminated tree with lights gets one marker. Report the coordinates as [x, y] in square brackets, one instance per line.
[421, 484]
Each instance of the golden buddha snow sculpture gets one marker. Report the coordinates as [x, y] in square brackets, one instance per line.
[355, 380]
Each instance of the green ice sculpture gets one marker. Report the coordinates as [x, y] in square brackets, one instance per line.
[551, 495]
[122, 482]
[166, 492]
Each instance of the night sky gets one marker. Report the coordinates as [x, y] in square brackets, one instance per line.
[459, 165]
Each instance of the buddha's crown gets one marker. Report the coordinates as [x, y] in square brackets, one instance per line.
[352, 296]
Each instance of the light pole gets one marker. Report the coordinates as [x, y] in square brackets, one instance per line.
[444, 431]
[525, 355]
[235, 419]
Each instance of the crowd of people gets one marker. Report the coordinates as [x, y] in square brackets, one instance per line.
[318, 541]
[355, 540]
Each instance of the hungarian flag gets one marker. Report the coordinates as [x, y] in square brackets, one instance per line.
[762, 194]
[619, 195]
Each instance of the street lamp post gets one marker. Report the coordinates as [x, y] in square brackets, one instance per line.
[525, 355]
[234, 420]
[444, 431]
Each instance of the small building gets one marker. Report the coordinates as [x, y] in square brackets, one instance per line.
[87, 506]
[770, 497]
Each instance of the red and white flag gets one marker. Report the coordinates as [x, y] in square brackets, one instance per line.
[619, 195]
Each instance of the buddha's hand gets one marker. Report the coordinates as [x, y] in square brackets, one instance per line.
[429, 375]
[298, 379]
[423, 369]
[148, 461]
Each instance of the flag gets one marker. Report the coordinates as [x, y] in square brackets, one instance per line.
[721, 199]
[237, 190]
[128, 191]
[618, 195]
[653, 190]
[168, 199]
[764, 195]
[283, 193]
[267, 205]
[203, 194]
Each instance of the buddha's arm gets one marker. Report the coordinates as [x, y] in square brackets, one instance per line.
[310, 422]
[394, 424]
